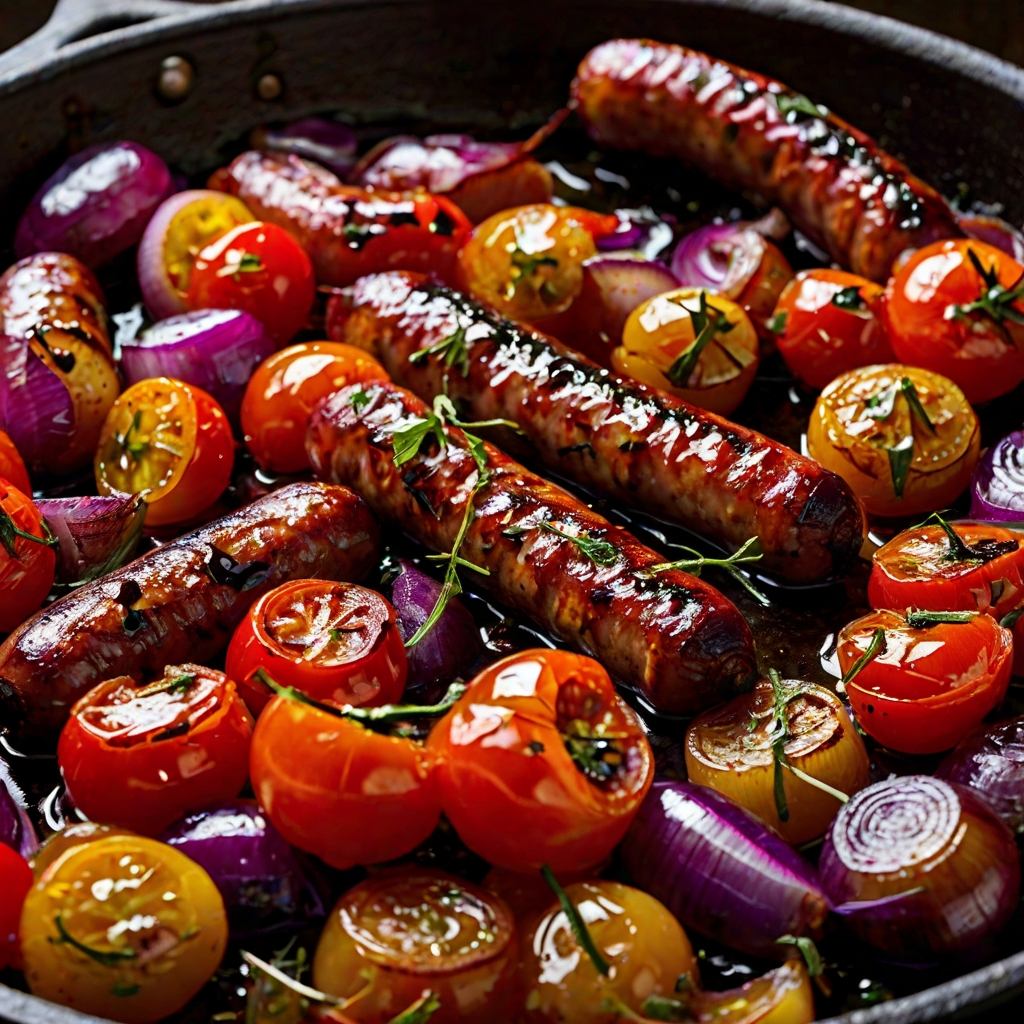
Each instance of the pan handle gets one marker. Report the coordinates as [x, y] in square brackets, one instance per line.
[78, 19]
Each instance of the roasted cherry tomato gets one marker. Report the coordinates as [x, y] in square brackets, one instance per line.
[123, 927]
[141, 757]
[643, 944]
[827, 322]
[335, 642]
[903, 438]
[337, 789]
[12, 466]
[171, 443]
[782, 996]
[956, 308]
[258, 268]
[27, 558]
[76, 833]
[527, 262]
[760, 295]
[731, 748]
[693, 343]
[283, 390]
[408, 930]
[541, 762]
[927, 678]
[949, 567]
[17, 880]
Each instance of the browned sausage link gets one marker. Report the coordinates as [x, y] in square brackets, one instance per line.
[836, 184]
[615, 436]
[673, 637]
[180, 602]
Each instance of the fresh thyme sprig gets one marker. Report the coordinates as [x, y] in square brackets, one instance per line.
[452, 348]
[576, 922]
[707, 322]
[600, 552]
[750, 551]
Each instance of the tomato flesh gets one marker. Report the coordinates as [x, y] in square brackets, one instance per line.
[12, 466]
[26, 565]
[17, 880]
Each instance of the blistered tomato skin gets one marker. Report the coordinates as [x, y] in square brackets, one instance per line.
[124, 927]
[953, 309]
[12, 466]
[27, 559]
[828, 322]
[541, 762]
[335, 642]
[141, 757]
[408, 930]
[336, 789]
[17, 880]
[925, 687]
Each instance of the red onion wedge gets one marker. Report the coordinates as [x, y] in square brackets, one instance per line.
[96, 204]
[94, 534]
[214, 349]
[721, 871]
[642, 231]
[921, 869]
[997, 485]
[995, 231]
[329, 143]
[16, 829]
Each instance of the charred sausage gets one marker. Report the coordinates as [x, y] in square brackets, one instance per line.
[835, 183]
[180, 602]
[546, 554]
[618, 437]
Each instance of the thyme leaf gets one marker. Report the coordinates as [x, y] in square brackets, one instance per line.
[599, 551]
[750, 551]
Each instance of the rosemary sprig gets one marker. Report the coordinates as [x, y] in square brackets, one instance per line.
[876, 647]
[600, 552]
[996, 301]
[924, 619]
[707, 322]
[105, 957]
[576, 922]
[750, 551]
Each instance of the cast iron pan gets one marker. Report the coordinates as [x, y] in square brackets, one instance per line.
[98, 71]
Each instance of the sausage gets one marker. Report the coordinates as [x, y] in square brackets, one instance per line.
[617, 437]
[670, 636]
[835, 183]
[180, 602]
[346, 230]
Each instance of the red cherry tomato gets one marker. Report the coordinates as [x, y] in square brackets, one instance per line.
[339, 790]
[141, 757]
[541, 762]
[259, 268]
[927, 683]
[12, 466]
[953, 308]
[27, 559]
[335, 642]
[283, 390]
[827, 322]
[17, 880]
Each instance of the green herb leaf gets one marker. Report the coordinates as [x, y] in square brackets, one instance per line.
[407, 440]
[749, 552]
[850, 299]
[958, 549]
[124, 989]
[707, 322]
[914, 401]
[249, 263]
[1009, 620]
[900, 457]
[778, 732]
[576, 922]
[996, 301]
[808, 950]
[179, 684]
[777, 323]
[105, 957]
[874, 648]
[452, 348]
[656, 1007]
[359, 400]
[796, 107]
[419, 1012]
[600, 552]
[136, 449]
[525, 265]
[924, 619]
[881, 405]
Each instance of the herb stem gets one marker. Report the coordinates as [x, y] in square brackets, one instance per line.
[749, 552]
[576, 922]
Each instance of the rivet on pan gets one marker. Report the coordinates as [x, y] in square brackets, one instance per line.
[269, 87]
[176, 78]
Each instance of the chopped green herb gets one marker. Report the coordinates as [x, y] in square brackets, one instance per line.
[136, 449]
[876, 647]
[795, 107]
[995, 301]
[749, 552]
[881, 405]
[850, 299]
[1009, 620]
[777, 323]
[707, 322]
[419, 1012]
[808, 950]
[249, 263]
[600, 552]
[924, 619]
[900, 457]
[914, 401]
[179, 684]
[124, 989]
[656, 1007]
[576, 922]
[359, 400]
[452, 347]
[105, 957]
[525, 265]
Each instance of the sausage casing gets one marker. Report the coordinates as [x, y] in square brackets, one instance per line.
[615, 436]
[669, 635]
[180, 602]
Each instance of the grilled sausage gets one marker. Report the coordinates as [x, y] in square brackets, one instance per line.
[669, 635]
[834, 182]
[180, 602]
[618, 437]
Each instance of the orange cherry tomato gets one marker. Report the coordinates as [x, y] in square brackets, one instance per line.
[170, 442]
[761, 293]
[956, 308]
[283, 391]
[258, 268]
[982, 570]
[693, 343]
[903, 438]
[408, 930]
[335, 642]
[141, 757]
[27, 558]
[12, 466]
[927, 682]
[827, 322]
[527, 262]
[541, 762]
[339, 790]
[17, 880]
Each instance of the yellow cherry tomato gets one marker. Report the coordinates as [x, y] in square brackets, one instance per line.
[78, 833]
[527, 262]
[194, 226]
[905, 439]
[782, 996]
[122, 927]
[693, 343]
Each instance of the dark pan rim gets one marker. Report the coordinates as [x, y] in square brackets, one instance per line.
[969, 992]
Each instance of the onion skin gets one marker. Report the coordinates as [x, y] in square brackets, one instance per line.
[997, 485]
[990, 761]
[16, 829]
[327, 142]
[722, 752]
[995, 231]
[721, 871]
[922, 833]
[97, 204]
